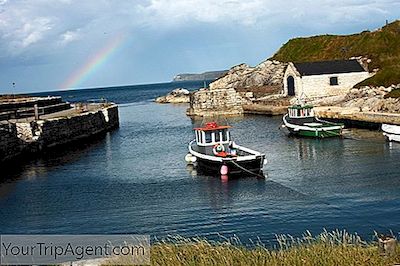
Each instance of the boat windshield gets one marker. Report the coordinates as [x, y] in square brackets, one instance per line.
[211, 137]
[301, 112]
[208, 136]
[221, 135]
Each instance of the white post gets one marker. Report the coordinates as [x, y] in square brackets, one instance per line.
[36, 108]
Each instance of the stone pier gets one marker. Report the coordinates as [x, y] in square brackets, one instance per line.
[215, 102]
[356, 114]
[24, 136]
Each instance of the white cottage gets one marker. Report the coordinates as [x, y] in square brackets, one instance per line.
[322, 79]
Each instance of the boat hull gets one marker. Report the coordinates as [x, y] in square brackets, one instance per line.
[213, 168]
[391, 132]
[324, 131]
[315, 133]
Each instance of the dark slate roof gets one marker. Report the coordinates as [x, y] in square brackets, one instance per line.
[328, 67]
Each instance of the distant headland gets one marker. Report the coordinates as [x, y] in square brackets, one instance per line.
[209, 75]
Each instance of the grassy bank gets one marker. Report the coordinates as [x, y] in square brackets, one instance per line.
[328, 248]
[381, 46]
[393, 94]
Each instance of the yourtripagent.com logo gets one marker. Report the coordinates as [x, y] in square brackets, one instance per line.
[54, 249]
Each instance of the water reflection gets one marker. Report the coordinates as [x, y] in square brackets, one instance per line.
[318, 149]
[44, 163]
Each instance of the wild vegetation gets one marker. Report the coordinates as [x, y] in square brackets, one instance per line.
[382, 46]
[328, 248]
[393, 94]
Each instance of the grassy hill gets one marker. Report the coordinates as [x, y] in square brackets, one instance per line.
[381, 46]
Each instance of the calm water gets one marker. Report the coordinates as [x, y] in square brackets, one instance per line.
[135, 180]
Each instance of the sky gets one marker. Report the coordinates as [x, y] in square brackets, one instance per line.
[50, 45]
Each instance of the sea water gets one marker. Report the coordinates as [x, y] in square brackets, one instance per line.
[135, 180]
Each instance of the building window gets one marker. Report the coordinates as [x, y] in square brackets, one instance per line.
[333, 81]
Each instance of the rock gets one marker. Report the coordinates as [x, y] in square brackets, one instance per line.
[373, 99]
[179, 92]
[266, 74]
[179, 95]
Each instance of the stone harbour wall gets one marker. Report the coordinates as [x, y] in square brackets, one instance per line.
[354, 114]
[215, 102]
[10, 144]
[58, 131]
[35, 136]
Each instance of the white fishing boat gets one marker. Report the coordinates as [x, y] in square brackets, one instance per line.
[300, 120]
[213, 151]
[391, 132]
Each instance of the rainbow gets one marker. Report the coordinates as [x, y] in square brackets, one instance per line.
[93, 63]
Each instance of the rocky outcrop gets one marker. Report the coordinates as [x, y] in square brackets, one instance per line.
[373, 99]
[242, 85]
[268, 74]
[179, 95]
[366, 98]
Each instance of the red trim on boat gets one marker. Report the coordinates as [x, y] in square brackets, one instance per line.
[211, 126]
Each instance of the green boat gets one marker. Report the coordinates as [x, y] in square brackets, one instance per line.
[300, 120]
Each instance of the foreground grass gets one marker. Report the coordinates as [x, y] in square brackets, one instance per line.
[328, 248]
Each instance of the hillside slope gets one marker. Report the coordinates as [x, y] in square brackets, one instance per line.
[381, 46]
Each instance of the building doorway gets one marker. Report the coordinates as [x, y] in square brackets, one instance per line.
[290, 86]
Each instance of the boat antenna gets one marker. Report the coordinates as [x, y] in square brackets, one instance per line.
[302, 99]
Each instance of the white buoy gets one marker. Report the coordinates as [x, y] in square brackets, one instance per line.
[188, 158]
[193, 159]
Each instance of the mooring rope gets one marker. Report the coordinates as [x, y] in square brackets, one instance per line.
[246, 170]
[321, 201]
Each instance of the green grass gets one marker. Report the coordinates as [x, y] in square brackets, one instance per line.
[381, 46]
[393, 94]
[329, 248]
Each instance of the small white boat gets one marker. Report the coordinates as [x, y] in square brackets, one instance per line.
[213, 151]
[391, 132]
[300, 120]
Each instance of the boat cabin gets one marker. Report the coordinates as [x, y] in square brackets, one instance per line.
[298, 111]
[212, 134]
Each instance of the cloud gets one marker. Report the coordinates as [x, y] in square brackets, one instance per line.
[69, 36]
[24, 24]
[32, 32]
[179, 12]
[40, 27]
[63, 33]
[20, 29]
